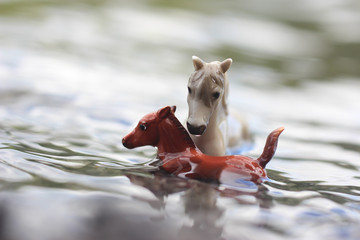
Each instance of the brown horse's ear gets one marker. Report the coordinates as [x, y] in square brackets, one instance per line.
[225, 65]
[173, 109]
[198, 63]
[164, 112]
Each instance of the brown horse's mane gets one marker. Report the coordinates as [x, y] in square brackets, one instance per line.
[186, 135]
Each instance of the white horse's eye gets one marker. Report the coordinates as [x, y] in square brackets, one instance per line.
[142, 127]
[216, 95]
[189, 90]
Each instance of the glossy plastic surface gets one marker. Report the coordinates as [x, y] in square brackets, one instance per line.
[181, 157]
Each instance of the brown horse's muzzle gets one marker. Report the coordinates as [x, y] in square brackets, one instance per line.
[126, 143]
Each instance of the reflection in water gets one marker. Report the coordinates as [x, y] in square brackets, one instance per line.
[200, 205]
[97, 215]
[198, 202]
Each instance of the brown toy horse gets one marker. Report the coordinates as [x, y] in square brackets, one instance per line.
[181, 157]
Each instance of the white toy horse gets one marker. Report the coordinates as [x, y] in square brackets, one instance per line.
[209, 123]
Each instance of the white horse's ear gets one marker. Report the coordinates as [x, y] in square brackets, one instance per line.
[198, 63]
[225, 65]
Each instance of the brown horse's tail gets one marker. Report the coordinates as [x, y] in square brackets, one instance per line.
[270, 147]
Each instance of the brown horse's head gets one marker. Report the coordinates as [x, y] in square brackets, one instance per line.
[146, 131]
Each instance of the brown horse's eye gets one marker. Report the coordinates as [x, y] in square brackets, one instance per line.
[142, 127]
[216, 95]
[189, 90]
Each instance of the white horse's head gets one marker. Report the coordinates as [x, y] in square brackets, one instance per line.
[207, 90]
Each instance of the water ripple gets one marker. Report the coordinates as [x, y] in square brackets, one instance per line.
[66, 101]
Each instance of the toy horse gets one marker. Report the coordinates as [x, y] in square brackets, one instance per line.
[211, 126]
[181, 157]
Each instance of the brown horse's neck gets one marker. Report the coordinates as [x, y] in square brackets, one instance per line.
[173, 136]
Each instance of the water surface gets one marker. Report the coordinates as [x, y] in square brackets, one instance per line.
[76, 76]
